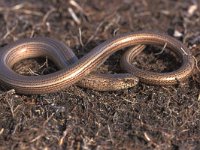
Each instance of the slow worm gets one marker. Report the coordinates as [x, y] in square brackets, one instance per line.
[73, 70]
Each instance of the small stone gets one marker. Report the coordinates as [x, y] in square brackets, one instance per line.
[192, 9]
[177, 34]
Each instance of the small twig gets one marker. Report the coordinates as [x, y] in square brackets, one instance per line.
[46, 63]
[36, 138]
[162, 50]
[95, 33]
[196, 64]
[1, 131]
[98, 28]
[115, 31]
[32, 72]
[18, 6]
[77, 6]
[44, 20]
[9, 31]
[10, 101]
[80, 37]
[110, 134]
[30, 12]
[147, 137]
[184, 51]
[74, 16]
[32, 33]
[64, 135]
[129, 101]
[49, 118]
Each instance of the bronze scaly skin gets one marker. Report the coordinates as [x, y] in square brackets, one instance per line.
[73, 70]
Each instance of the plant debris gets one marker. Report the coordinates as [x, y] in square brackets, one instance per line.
[142, 117]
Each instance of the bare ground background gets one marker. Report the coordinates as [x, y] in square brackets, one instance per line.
[143, 117]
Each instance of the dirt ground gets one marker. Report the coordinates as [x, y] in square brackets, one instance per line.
[142, 117]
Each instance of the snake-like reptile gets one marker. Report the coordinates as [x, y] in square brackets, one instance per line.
[73, 69]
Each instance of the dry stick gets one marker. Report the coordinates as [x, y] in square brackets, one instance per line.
[162, 50]
[98, 28]
[61, 141]
[110, 134]
[74, 16]
[44, 20]
[45, 63]
[44, 124]
[80, 37]
[196, 79]
[30, 12]
[1, 131]
[95, 33]
[196, 64]
[77, 6]
[9, 31]
[20, 8]
[32, 72]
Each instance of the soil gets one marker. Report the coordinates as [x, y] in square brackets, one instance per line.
[142, 117]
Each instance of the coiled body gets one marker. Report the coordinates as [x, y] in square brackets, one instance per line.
[73, 70]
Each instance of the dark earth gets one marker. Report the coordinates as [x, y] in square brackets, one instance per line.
[142, 117]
